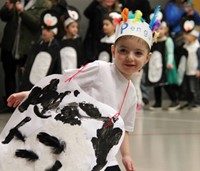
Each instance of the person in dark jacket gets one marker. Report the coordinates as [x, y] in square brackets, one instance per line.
[8, 14]
[28, 29]
[44, 57]
[22, 27]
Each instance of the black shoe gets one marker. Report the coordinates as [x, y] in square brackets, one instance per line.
[174, 106]
[145, 101]
[192, 106]
[156, 106]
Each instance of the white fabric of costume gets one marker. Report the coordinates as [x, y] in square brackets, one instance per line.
[192, 59]
[103, 81]
[72, 116]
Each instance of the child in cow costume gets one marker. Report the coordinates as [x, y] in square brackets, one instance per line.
[78, 121]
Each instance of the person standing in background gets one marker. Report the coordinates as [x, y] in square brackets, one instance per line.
[71, 50]
[8, 14]
[28, 28]
[192, 65]
[44, 56]
[109, 27]
[95, 13]
[175, 11]
[162, 69]
[21, 30]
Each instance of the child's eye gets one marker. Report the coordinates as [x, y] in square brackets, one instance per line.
[123, 51]
[138, 53]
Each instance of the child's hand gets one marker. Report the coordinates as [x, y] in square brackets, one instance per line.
[128, 163]
[15, 99]
[197, 74]
[170, 66]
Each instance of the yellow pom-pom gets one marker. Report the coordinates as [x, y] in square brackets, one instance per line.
[138, 16]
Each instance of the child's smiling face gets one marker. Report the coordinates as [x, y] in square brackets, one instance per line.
[130, 55]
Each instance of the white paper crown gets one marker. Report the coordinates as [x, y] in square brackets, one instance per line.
[137, 29]
[135, 25]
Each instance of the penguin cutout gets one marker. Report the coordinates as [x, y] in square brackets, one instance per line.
[187, 24]
[44, 57]
[71, 48]
[104, 49]
[49, 20]
[73, 13]
[156, 68]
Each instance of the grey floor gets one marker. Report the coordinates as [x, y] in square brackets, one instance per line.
[162, 140]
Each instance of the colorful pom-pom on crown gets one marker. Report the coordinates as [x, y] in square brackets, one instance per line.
[134, 24]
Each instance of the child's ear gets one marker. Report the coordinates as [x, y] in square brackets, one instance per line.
[113, 50]
[148, 57]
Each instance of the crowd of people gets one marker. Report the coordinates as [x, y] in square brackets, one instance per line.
[26, 36]
[42, 38]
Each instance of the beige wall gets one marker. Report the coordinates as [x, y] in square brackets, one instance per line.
[196, 5]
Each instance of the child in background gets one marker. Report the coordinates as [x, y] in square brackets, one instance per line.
[95, 12]
[71, 43]
[131, 51]
[136, 79]
[162, 71]
[104, 53]
[192, 70]
[44, 58]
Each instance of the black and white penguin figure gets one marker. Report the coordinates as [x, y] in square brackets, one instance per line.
[104, 49]
[71, 43]
[44, 57]
[156, 68]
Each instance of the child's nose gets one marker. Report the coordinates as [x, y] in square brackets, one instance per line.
[131, 56]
